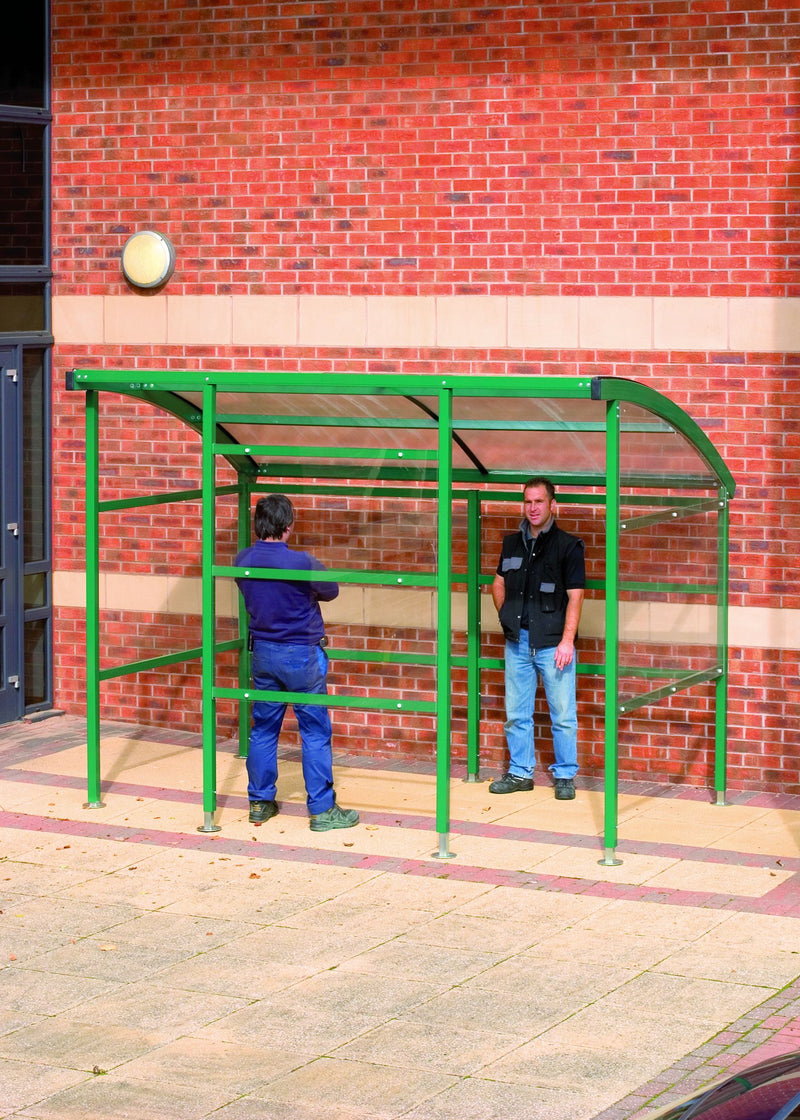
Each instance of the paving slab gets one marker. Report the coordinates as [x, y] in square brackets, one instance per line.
[148, 969]
[368, 1089]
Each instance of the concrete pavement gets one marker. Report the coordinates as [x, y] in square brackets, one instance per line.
[149, 970]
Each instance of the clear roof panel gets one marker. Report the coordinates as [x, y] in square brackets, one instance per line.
[491, 434]
[653, 450]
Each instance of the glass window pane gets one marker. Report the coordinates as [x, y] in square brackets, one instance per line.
[22, 75]
[35, 588]
[35, 457]
[35, 662]
[21, 193]
[21, 308]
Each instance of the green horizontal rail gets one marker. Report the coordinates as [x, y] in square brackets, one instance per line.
[593, 669]
[147, 664]
[163, 499]
[460, 660]
[351, 491]
[628, 704]
[550, 426]
[426, 579]
[381, 656]
[326, 452]
[326, 383]
[381, 703]
[669, 588]
[476, 477]
[330, 575]
[325, 421]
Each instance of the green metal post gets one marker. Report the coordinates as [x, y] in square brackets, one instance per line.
[473, 634]
[611, 808]
[721, 688]
[93, 601]
[444, 583]
[209, 520]
[243, 539]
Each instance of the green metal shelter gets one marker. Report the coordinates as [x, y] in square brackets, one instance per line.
[662, 488]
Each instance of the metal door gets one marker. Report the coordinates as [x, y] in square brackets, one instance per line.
[11, 614]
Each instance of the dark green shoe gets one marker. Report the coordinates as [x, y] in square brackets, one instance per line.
[333, 818]
[511, 783]
[261, 811]
[564, 789]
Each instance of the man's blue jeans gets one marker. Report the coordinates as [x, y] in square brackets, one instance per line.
[285, 667]
[523, 668]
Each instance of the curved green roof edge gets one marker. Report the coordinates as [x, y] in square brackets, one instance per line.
[623, 389]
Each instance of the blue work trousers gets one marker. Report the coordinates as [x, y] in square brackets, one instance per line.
[524, 666]
[286, 667]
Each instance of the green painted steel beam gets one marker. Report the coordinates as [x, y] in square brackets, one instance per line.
[669, 588]
[611, 720]
[208, 546]
[473, 633]
[330, 575]
[383, 703]
[310, 452]
[444, 674]
[721, 697]
[147, 665]
[381, 656]
[94, 798]
[325, 383]
[161, 499]
[469, 478]
[629, 704]
[290, 421]
[316, 488]
[245, 665]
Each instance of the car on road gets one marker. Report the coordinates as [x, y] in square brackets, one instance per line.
[768, 1090]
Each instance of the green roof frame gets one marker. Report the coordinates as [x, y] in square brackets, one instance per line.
[429, 404]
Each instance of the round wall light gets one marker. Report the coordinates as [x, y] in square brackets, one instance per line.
[148, 259]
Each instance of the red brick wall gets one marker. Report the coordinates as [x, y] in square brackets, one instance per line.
[406, 147]
[355, 148]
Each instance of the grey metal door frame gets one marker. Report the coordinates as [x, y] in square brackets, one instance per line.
[12, 693]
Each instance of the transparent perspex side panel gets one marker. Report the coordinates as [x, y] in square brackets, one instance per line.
[652, 450]
[379, 541]
[668, 586]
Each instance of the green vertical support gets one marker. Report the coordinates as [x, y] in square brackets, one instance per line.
[473, 633]
[444, 583]
[243, 540]
[209, 527]
[93, 600]
[721, 697]
[611, 720]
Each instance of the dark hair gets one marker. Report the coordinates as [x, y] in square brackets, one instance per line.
[273, 516]
[541, 481]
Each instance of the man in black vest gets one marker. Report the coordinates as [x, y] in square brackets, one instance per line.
[538, 592]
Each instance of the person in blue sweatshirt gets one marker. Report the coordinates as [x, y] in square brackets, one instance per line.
[287, 639]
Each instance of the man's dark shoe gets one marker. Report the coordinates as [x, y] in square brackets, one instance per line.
[565, 789]
[261, 811]
[511, 784]
[335, 817]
